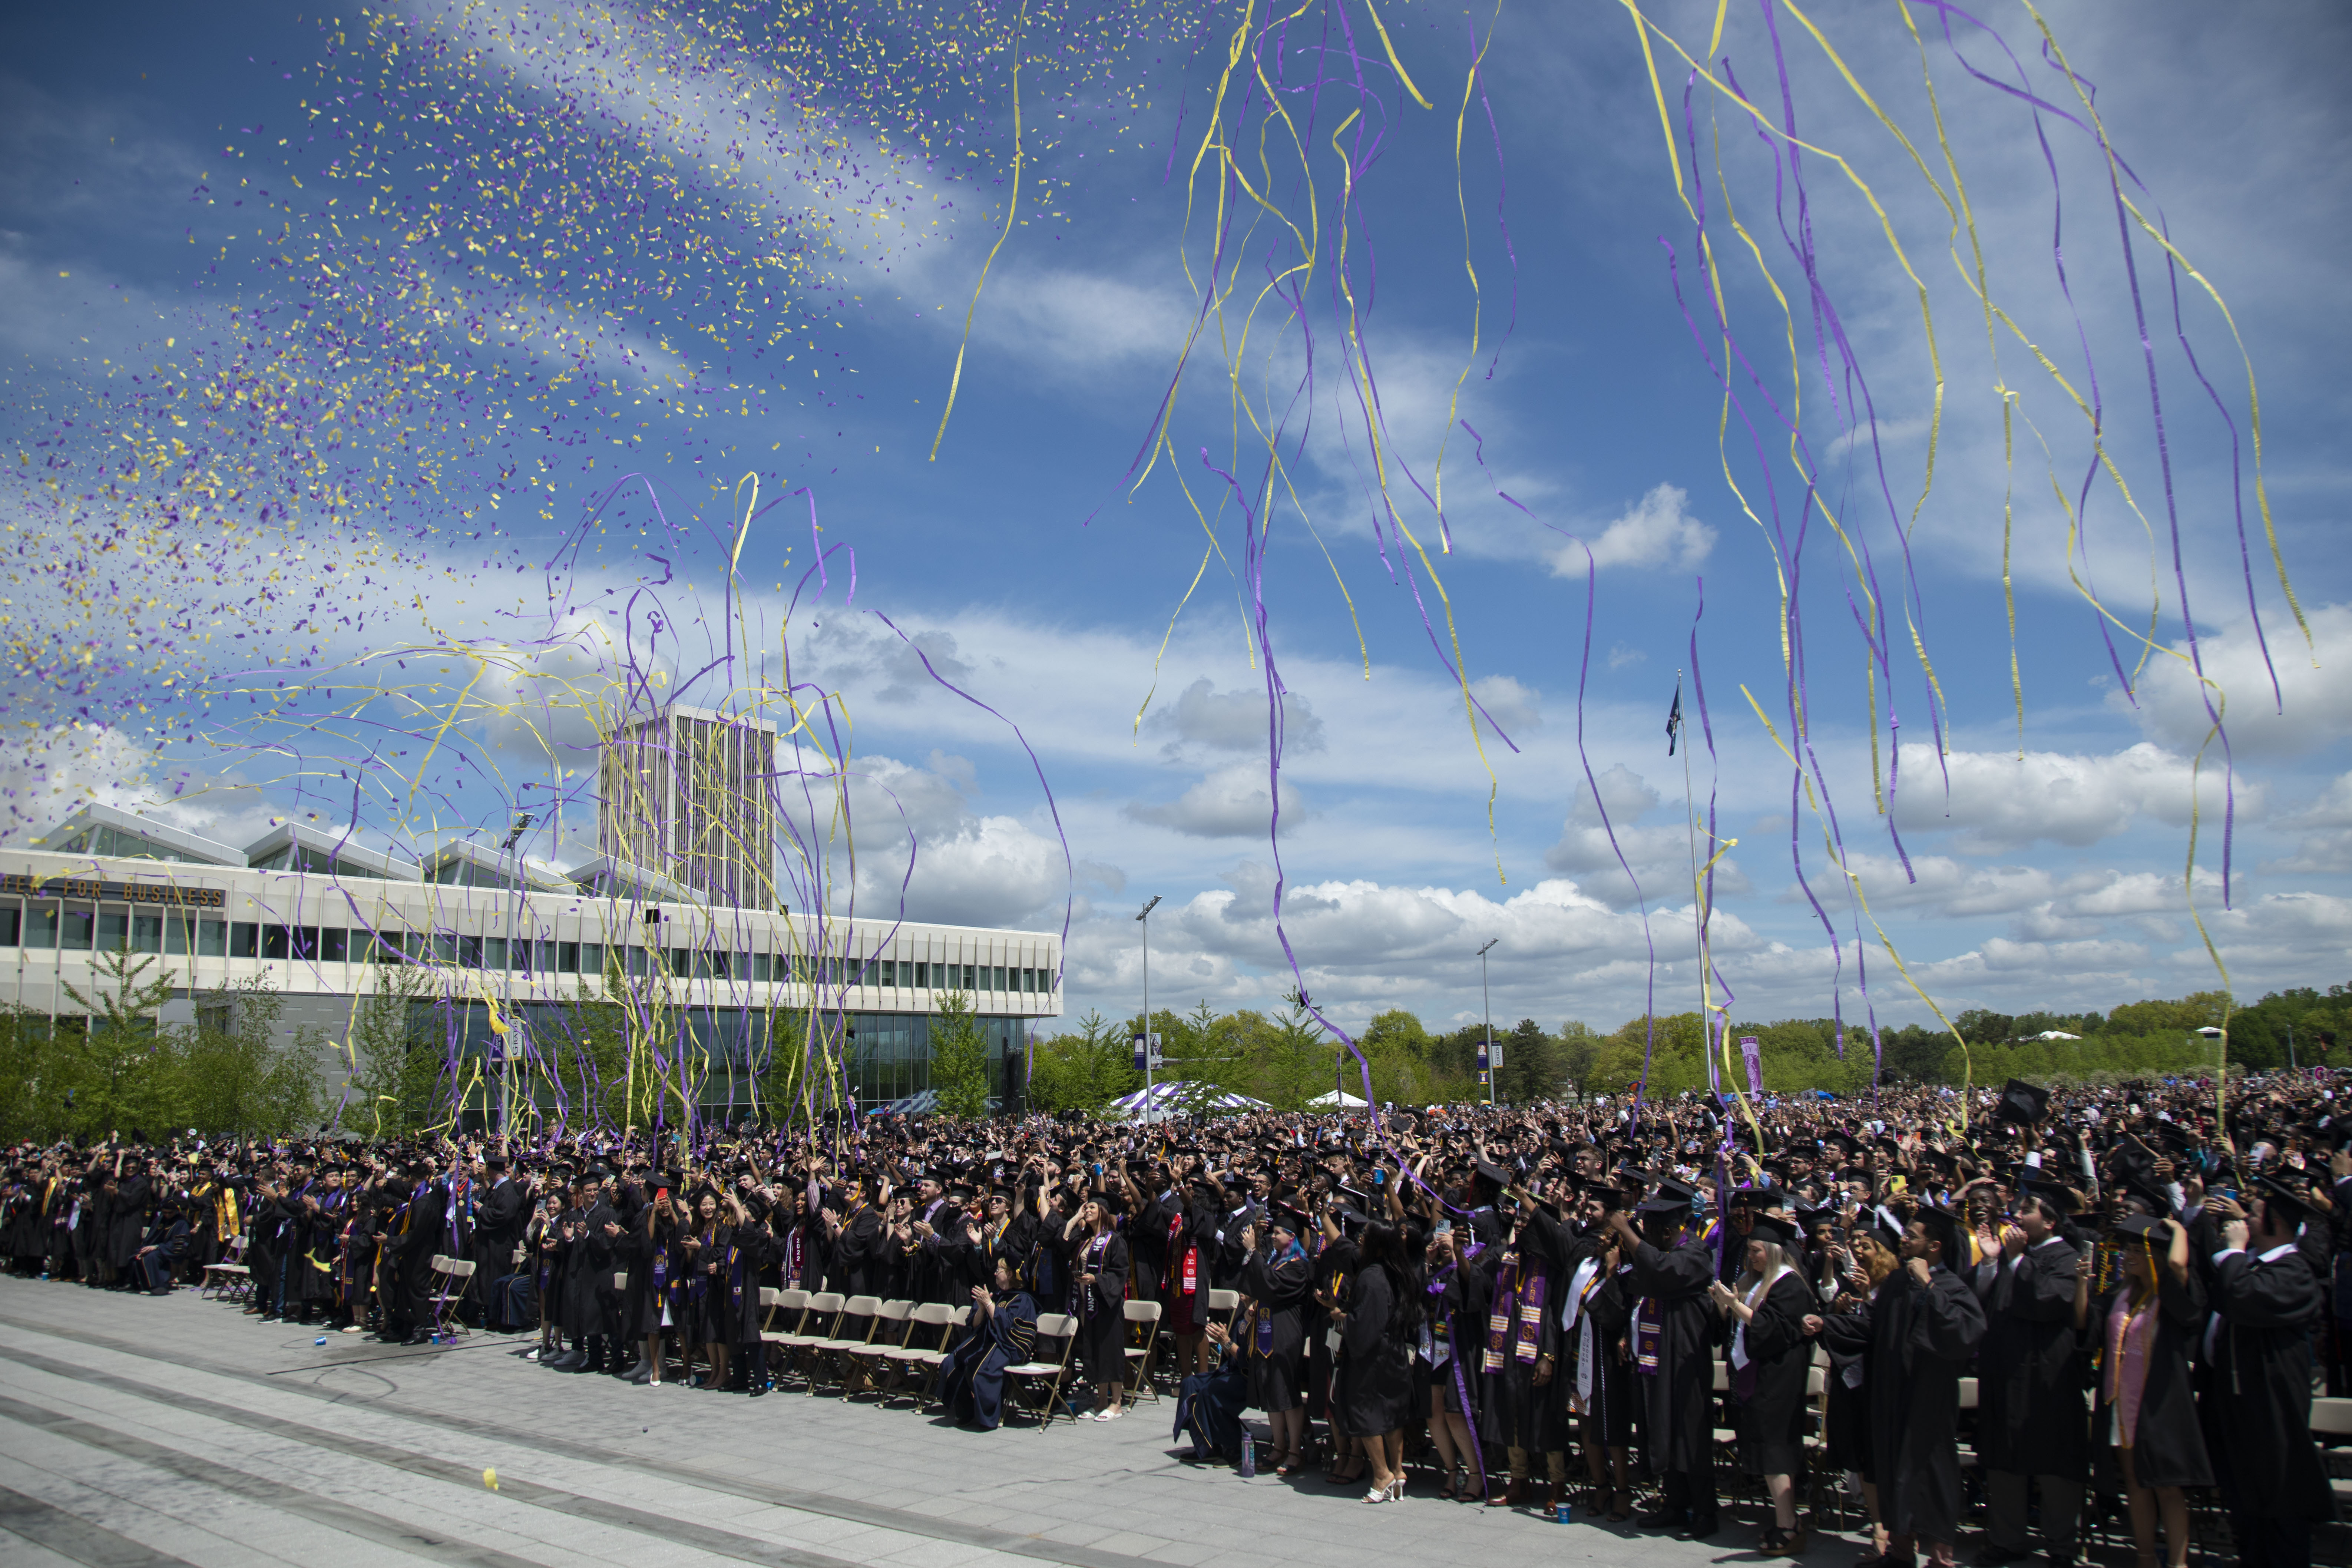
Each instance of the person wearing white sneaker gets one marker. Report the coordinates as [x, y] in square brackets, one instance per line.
[1097, 1258]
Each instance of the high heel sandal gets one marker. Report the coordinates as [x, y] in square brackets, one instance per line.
[1380, 1494]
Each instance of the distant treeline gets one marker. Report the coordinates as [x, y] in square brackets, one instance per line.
[1287, 1062]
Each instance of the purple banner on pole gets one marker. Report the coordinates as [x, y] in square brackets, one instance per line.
[1752, 1054]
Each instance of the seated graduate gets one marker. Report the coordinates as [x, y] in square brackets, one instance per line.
[1002, 1333]
[1209, 1405]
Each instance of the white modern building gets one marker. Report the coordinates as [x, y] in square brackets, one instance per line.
[314, 915]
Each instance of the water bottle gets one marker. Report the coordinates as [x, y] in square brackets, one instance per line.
[1249, 1456]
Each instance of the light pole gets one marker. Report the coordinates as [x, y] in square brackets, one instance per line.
[1145, 921]
[515, 896]
[1486, 1002]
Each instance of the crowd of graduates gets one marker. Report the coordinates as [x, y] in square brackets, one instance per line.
[1537, 1302]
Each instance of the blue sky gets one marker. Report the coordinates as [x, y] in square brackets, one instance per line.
[1043, 582]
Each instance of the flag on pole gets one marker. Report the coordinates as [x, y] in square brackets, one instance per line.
[1674, 718]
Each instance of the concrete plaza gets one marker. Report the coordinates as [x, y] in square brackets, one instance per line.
[137, 1430]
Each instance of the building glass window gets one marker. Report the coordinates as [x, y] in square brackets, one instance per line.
[11, 924]
[567, 958]
[147, 934]
[212, 939]
[244, 939]
[41, 922]
[494, 952]
[445, 946]
[80, 925]
[113, 929]
[335, 944]
[592, 958]
[469, 952]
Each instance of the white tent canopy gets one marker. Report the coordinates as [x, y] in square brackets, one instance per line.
[1338, 1100]
[1180, 1099]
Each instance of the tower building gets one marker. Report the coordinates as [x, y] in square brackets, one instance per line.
[684, 792]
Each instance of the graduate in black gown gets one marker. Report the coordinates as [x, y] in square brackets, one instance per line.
[1516, 1355]
[2146, 1325]
[1278, 1279]
[1596, 1367]
[1768, 1306]
[1096, 1261]
[2267, 1289]
[1920, 1329]
[1379, 1327]
[2030, 1419]
[1454, 1303]
[1002, 1333]
[1673, 1334]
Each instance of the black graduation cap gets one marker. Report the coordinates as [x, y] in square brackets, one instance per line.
[1808, 1217]
[494, 1162]
[1946, 1226]
[2059, 1195]
[1614, 1200]
[1494, 1175]
[1773, 1228]
[2144, 1187]
[2147, 1228]
[1672, 1197]
[1290, 1217]
[2275, 1191]
[2021, 1101]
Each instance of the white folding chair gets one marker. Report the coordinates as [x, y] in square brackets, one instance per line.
[1051, 1328]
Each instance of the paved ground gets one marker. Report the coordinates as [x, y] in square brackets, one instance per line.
[138, 1431]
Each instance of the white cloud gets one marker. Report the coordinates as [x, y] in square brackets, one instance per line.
[1231, 803]
[1364, 946]
[1511, 706]
[2328, 848]
[1657, 531]
[1079, 320]
[2317, 700]
[1999, 801]
[47, 775]
[969, 868]
[1234, 721]
[1660, 856]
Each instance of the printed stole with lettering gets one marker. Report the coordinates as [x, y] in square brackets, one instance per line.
[1513, 1318]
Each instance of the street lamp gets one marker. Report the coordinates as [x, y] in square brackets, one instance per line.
[1145, 921]
[1487, 1003]
[515, 896]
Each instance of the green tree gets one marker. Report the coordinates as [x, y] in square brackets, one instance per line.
[1293, 1060]
[1083, 1071]
[236, 1078]
[1580, 1053]
[398, 1085]
[958, 1059]
[32, 1095]
[1534, 1068]
[122, 1077]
